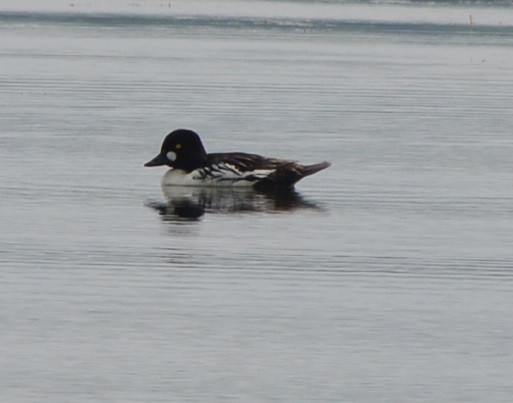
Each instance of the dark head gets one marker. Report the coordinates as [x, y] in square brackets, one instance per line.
[181, 149]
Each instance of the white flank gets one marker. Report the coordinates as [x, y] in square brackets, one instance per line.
[221, 175]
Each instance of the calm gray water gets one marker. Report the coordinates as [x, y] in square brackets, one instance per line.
[387, 277]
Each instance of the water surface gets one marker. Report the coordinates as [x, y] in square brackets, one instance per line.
[386, 277]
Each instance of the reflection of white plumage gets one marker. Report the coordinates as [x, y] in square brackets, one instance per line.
[194, 201]
[183, 151]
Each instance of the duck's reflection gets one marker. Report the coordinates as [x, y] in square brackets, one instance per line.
[187, 202]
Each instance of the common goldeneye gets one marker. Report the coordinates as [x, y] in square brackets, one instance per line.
[183, 151]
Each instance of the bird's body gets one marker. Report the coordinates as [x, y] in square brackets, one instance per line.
[183, 151]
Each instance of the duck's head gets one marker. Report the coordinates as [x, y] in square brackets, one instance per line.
[181, 149]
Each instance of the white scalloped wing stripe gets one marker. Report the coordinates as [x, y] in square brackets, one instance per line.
[259, 173]
[227, 172]
[232, 172]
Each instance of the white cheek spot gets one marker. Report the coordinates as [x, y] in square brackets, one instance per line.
[171, 156]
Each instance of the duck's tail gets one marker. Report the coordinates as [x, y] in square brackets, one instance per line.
[311, 169]
[289, 173]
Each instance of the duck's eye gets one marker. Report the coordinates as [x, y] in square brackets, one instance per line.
[178, 146]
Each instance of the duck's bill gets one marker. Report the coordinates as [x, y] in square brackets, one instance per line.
[157, 161]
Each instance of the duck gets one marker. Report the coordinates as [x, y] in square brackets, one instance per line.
[182, 150]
